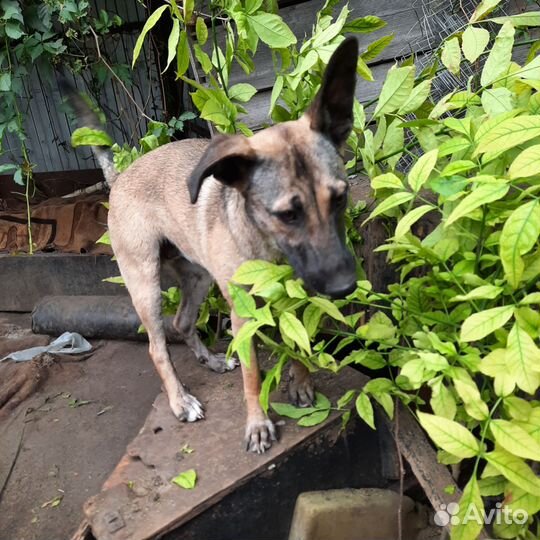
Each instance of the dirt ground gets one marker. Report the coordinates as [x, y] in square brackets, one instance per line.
[58, 447]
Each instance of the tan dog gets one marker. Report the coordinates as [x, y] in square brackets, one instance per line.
[219, 203]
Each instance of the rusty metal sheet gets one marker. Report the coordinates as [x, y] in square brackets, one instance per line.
[139, 502]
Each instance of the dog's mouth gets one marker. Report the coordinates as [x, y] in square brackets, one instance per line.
[332, 273]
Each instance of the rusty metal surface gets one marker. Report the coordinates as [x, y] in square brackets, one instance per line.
[139, 501]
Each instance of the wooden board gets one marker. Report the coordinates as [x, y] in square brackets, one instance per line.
[139, 501]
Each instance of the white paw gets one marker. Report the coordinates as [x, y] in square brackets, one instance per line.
[259, 435]
[187, 408]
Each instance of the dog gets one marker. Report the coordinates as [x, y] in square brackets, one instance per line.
[218, 203]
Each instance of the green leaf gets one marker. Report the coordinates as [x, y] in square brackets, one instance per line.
[492, 485]
[182, 56]
[514, 439]
[484, 8]
[449, 435]
[186, 480]
[484, 194]
[519, 235]
[290, 411]
[242, 92]
[453, 145]
[479, 325]
[276, 91]
[365, 409]
[244, 304]
[172, 43]
[526, 164]
[260, 274]
[294, 288]
[529, 18]
[451, 55]
[363, 70]
[396, 90]
[148, 25]
[421, 170]
[523, 359]
[391, 202]
[292, 328]
[470, 504]
[417, 97]
[201, 31]
[271, 30]
[327, 307]
[7, 167]
[497, 101]
[5, 82]
[500, 56]
[86, 136]
[405, 223]
[311, 317]
[315, 418]
[459, 166]
[376, 48]
[508, 134]
[386, 181]
[515, 470]
[484, 291]
[474, 42]
[474, 404]
[364, 25]
[442, 400]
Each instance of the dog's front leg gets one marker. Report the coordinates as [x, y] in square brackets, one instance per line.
[260, 431]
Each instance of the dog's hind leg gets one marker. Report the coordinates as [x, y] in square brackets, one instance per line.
[301, 391]
[194, 282]
[141, 276]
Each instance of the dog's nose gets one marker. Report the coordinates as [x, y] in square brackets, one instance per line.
[342, 290]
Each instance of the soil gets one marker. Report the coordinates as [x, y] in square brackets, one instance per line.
[61, 443]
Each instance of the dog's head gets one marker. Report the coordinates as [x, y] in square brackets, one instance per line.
[293, 179]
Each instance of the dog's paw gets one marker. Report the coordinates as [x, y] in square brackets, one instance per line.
[219, 362]
[259, 435]
[187, 408]
[301, 392]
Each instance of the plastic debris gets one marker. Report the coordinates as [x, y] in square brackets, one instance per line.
[67, 343]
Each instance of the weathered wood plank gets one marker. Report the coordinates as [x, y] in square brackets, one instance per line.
[404, 24]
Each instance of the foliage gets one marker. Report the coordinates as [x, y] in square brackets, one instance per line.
[457, 334]
[42, 34]
[242, 28]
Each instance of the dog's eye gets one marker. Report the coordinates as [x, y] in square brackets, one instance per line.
[290, 217]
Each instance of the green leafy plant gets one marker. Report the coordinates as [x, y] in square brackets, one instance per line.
[230, 36]
[457, 333]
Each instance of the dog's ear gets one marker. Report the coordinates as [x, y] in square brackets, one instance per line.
[229, 158]
[331, 113]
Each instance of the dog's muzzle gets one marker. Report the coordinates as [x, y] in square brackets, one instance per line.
[329, 272]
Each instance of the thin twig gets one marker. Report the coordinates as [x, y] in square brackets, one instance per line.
[118, 79]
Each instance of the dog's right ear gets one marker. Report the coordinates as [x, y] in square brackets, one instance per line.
[229, 158]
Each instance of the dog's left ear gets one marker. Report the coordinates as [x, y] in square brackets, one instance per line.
[229, 158]
[332, 111]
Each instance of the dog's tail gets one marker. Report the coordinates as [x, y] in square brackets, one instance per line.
[86, 117]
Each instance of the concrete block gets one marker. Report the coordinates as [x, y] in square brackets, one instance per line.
[353, 514]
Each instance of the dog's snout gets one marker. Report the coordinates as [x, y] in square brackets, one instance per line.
[333, 276]
[343, 290]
